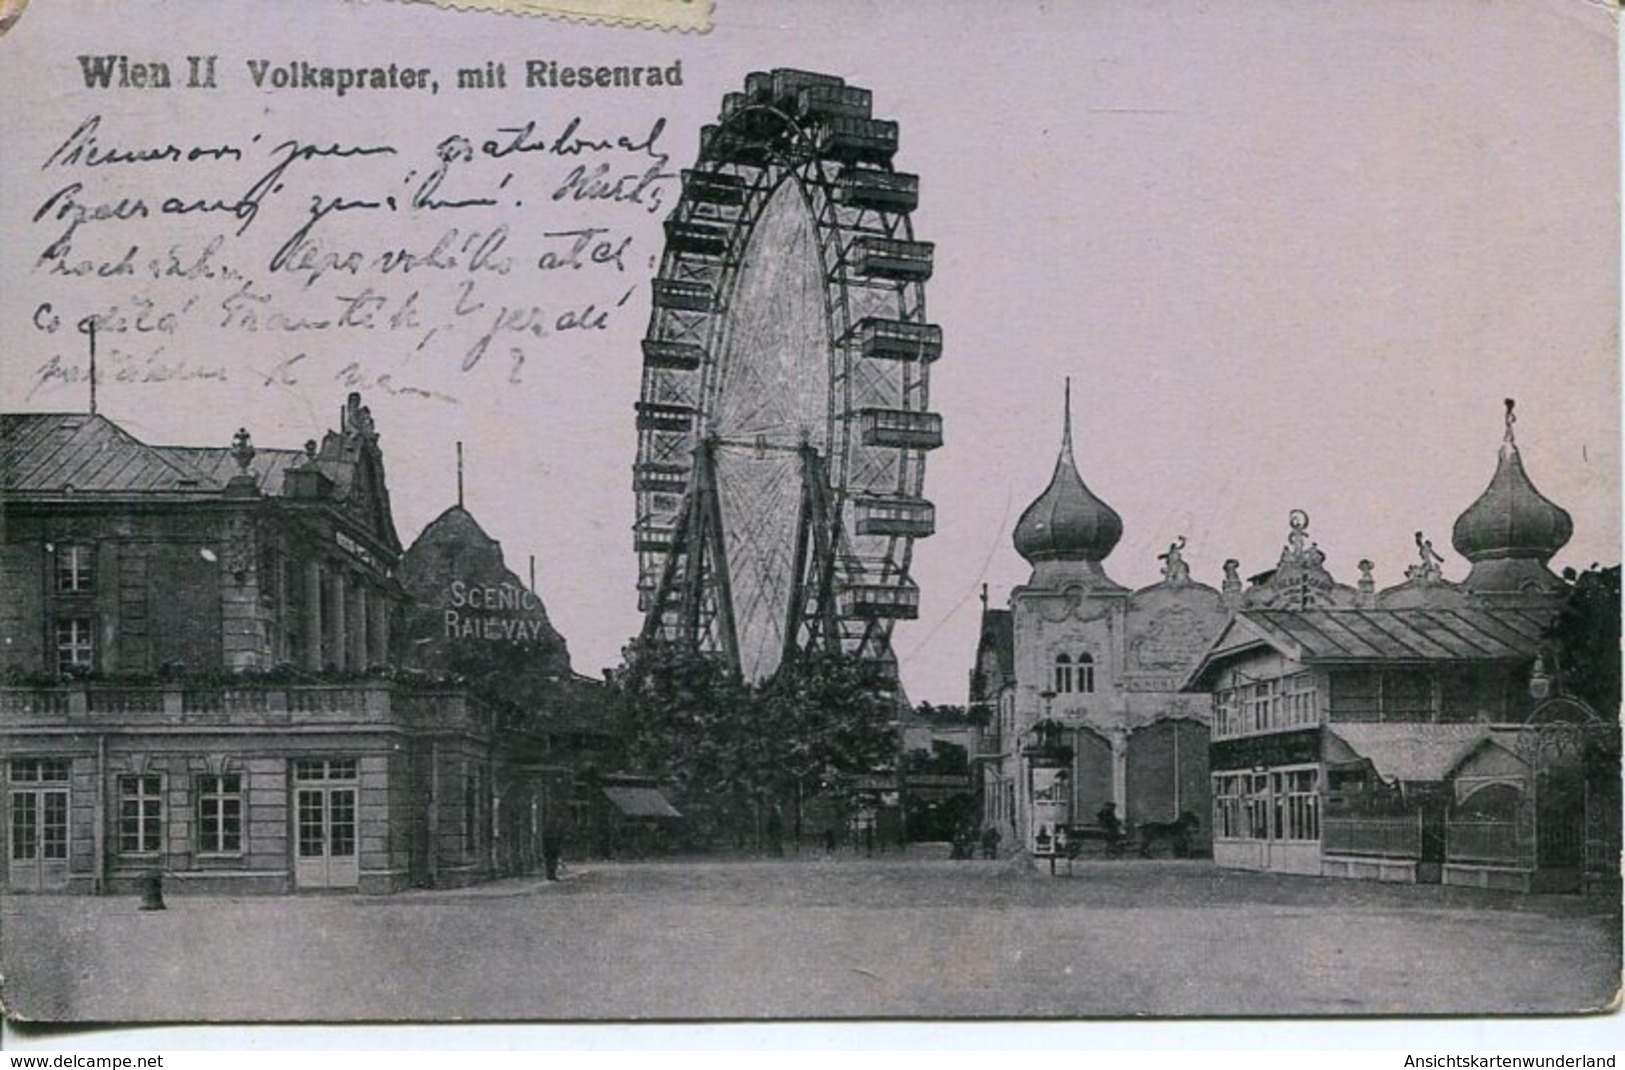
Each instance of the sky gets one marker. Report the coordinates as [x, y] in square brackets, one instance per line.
[1292, 256]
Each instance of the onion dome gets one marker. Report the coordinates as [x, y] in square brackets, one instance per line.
[1511, 519]
[1067, 522]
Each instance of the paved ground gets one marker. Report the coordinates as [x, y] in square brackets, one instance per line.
[818, 939]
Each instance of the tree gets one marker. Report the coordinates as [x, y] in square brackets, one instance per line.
[684, 713]
[1587, 636]
[831, 714]
[829, 717]
[742, 753]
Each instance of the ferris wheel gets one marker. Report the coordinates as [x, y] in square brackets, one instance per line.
[783, 420]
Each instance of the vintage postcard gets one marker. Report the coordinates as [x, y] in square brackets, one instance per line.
[622, 510]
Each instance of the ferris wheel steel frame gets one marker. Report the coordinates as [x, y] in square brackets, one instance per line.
[859, 505]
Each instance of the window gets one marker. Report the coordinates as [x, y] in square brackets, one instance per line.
[1086, 674]
[1228, 791]
[220, 814]
[75, 569]
[324, 769]
[1296, 804]
[1354, 696]
[1266, 706]
[140, 823]
[1407, 695]
[1063, 674]
[39, 771]
[1298, 705]
[1258, 806]
[75, 643]
[1071, 678]
[1300, 791]
[1283, 804]
[1265, 700]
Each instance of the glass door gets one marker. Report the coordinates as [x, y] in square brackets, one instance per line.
[325, 824]
[38, 855]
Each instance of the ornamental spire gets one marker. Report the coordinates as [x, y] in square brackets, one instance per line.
[1067, 522]
[1066, 420]
[1511, 519]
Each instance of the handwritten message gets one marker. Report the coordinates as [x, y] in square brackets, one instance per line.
[469, 251]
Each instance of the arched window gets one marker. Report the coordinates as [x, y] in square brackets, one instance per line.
[1063, 674]
[1086, 673]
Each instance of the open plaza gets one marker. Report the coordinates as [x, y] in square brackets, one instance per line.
[815, 937]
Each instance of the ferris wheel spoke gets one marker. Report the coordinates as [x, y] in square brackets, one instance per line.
[757, 496]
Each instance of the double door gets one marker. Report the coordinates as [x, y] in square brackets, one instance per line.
[325, 852]
[37, 858]
[39, 839]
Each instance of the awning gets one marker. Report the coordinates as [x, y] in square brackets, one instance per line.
[641, 802]
[1414, 753]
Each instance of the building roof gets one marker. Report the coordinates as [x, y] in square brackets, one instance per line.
[455, 548]
[59, 452]
[1470, 634]
[641, 802]
[999, 635]
[216, 464]
[75, 453]
[54, 452]
[1377, 636]
[1415, 753]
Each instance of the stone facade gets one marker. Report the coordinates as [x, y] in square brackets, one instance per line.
[202, 677]
[1104, 665]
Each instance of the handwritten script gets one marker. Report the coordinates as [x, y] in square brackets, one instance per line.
[470, 254]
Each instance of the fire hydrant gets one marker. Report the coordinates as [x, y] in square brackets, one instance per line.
[152, 890]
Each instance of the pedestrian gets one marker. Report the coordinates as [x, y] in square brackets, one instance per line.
[1111, 827]
[990, 842]
[775, 833]
[550, 855]
[829, 840]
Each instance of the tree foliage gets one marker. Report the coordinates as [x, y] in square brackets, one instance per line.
[830, 716]
[1587, 634]
[730, 748]
[686, 717]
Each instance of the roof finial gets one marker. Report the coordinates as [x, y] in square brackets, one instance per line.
[1066, 420]
[242, 449]
[1174, 568]
[1511, 439]
[1298, 521]
[459, 475]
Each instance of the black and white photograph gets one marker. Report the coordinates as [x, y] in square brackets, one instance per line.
[627, 511]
